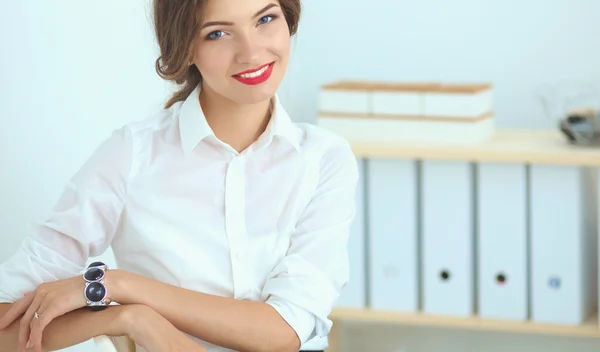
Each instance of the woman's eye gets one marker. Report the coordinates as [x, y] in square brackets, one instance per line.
[265, 19]
[215, 35]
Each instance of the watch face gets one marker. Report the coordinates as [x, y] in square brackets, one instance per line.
[93, 274]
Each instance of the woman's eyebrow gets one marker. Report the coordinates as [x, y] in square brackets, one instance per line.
[224, 23]
[217, 23]
[265, 9]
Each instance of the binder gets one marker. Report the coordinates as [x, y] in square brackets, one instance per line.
[354, 294]
[595, 189]
[447, 243]
[502, 241]
[392, 224]
[563, 244]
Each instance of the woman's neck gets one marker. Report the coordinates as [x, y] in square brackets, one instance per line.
[238, 125]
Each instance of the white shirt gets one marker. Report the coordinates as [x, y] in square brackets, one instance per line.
[176, 204]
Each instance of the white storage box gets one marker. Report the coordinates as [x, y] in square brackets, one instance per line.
[408, 112]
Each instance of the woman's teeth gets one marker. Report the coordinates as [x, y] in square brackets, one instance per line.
[255, 74]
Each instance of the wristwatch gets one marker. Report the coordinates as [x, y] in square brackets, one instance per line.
[95, 291]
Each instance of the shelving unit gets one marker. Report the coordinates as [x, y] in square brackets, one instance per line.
[510, 146]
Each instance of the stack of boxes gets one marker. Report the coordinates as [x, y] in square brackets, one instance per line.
[408, 112]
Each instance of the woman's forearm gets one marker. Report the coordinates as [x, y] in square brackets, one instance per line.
[142, 324]
[68, 330]
[155, 333]
[235, 324]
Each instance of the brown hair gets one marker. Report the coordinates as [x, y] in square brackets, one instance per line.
[176, 24]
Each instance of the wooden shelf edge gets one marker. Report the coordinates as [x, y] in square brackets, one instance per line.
[507, 146]
[589, 329]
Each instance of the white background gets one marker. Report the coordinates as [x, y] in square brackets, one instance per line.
[72, 71]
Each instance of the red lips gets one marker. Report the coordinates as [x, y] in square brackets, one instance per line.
[265, 72]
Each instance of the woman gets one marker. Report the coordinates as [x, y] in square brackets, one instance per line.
[228, 221]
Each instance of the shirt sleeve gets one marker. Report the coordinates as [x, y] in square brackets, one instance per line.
[305, 285]
[80, 225]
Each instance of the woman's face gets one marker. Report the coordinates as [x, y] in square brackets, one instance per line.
[242, 49]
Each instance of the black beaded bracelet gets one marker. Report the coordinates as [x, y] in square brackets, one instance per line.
[95, 291]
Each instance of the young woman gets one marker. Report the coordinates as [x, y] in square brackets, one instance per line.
[228, 221]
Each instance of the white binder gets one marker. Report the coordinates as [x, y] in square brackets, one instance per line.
[354, 294]
[502, 281]
[595, 181]
[392, 221]
[447, 227]
[563, 244]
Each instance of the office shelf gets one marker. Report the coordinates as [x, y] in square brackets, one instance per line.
[515, 146]
[588, 329]
[506, 146]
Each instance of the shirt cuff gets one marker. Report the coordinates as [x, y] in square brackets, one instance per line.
[306, 310]
[302, 321]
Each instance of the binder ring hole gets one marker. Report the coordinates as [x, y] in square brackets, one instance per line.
[501, 279]
[554, 282]
[445, 275]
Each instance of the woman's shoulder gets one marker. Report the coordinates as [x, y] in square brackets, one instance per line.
[153, 121]
[136, 132]
[317, 137]
[329, 149]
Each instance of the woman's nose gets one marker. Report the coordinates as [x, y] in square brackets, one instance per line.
[248, 50]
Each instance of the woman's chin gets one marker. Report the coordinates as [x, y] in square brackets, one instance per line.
[253, 94]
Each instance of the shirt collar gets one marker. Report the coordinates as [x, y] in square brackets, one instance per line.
[281, 125]
[193, 126]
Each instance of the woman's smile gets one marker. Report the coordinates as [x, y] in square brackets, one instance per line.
[255, 76]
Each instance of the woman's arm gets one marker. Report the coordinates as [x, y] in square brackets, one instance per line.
[143, 325]
[235, 324]
[154, 333]
[68, 330]
[80, 225]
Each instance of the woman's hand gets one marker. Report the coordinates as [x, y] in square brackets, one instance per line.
[153, 332]
[49, 301]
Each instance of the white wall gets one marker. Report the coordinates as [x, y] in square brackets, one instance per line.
[74, 70]
[71, 72]
[520, 46]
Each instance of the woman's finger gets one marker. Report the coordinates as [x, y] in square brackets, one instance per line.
[35, 335]
[25, 326]
[47, 312]
[17, 309]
